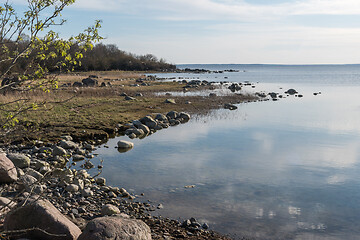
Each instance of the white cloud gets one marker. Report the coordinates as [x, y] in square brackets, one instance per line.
[231, 10]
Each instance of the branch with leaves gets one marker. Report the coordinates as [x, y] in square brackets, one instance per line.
[30, 49]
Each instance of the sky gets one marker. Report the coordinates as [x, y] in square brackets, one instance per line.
[226, 31]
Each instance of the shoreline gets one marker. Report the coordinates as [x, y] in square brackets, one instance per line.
[88, 138]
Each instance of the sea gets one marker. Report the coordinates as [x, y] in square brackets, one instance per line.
[286, 169]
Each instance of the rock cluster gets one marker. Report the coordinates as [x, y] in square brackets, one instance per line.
[149, 124]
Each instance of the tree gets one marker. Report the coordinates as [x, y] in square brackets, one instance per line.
[30, 49]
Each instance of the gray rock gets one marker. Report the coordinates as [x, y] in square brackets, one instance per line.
[149, 121]
[100, 181]
[59, 151]
[20, 160]
[116, 227]
[230, 106]
[89, 147]
[8, 171]
[78, 157]
[77, 84]
[34, 173]
[170, 100]
[291, 91]
[28, 182]
[90, 82]
[128, 98]
[68, 144]
[5, 205]
[184, 116]
[67, 138]
[172, 115]
[125, 144]
[144, 128]
[73, 188]
[87, 192]
[109, 210]
[161, 117]
[41, 214]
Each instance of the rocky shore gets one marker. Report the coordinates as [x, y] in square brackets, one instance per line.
[46, 192]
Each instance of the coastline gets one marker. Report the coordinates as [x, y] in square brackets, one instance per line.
[119, 95]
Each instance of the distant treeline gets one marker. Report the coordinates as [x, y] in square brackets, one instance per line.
[101, 58]
[109, 57]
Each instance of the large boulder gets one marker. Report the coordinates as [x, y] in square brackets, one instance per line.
[43, 220]
[8, 171]
[20, 160]
[116, 227]
[89, 82]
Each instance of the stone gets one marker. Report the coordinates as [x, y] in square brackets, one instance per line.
[8, 171]
[161, 117]
[144, 128]
[59, 151]
[116, 227]
[149, 122]
[184, 116]
[90, 82]
[68, 144]
[20, 160]
[128, 98]
[230, 106]
[109, 210]
[100, 181]
[172, 115]
[78, 157]
[73, 188]
[87, 192]
[34, 173]
[67, 137]
[89, 147]
[5, 205]
[291, 91]
[125, 144]
[77, 84]
[170, 100]
[28, 182]
[41, 214]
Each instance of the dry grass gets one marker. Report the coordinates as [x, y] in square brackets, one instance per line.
[94, 112]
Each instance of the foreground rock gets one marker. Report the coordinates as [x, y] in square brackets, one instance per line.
[7, 170]
[19, 160]
[43, 220]
[116, 227]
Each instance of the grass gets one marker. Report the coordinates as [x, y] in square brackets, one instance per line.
[93, 113]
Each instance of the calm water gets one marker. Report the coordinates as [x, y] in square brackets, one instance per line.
[269, 170]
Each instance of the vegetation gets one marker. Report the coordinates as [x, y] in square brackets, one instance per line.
[110, 57]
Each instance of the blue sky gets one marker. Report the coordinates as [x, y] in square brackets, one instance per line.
[226, 31]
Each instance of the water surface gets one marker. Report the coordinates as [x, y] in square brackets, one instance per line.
[269, 170]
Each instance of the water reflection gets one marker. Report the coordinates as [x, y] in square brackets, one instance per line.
[273, 170]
